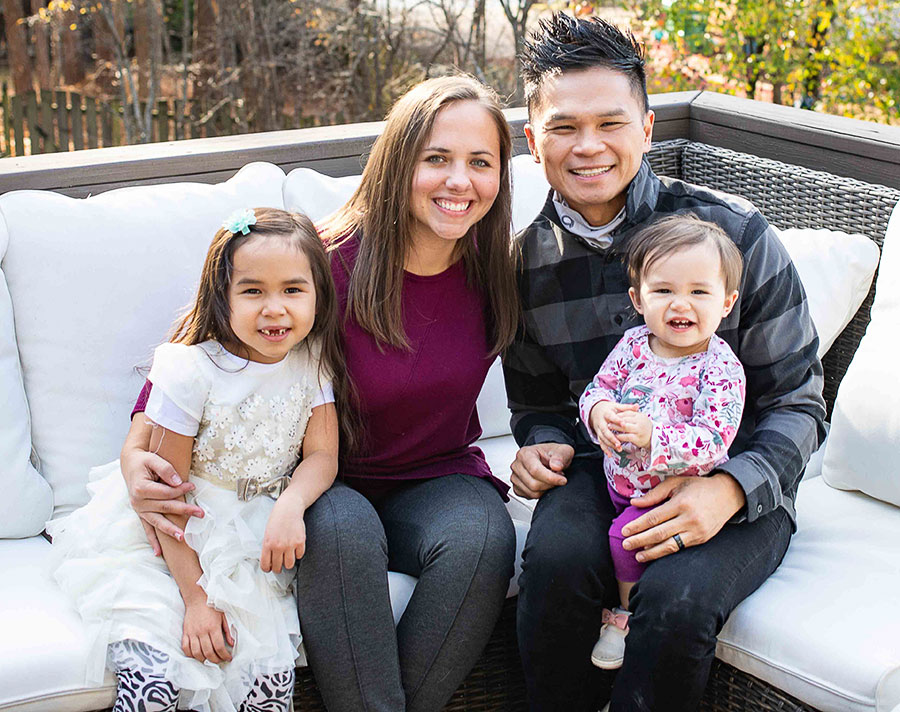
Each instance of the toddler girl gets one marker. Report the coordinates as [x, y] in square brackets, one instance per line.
[668, 399]
[240, 394]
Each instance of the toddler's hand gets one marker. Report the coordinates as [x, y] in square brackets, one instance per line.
[635, 428]
[284, 542]
[205, 634]
[606, 424]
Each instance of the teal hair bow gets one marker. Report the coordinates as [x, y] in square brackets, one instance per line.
[240, 221]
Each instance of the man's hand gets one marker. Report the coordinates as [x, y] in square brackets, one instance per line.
[697, 508]
[284, 542]
[538, 468]
[205, 633]
[155, 489]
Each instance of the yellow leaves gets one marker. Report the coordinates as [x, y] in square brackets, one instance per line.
[60, 5]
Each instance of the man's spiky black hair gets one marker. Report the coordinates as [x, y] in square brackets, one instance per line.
[563, 43]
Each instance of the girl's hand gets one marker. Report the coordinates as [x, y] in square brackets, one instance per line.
[635, 428]
[606, 424]
[205, 633]
[284, 542]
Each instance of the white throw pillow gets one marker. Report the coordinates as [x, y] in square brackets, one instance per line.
[94, 284]
[836, 270]
[529, 190]
[861, 452]
[317, 195]
[27, 497]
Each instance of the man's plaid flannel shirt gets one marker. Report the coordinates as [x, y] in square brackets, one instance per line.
[576, 308]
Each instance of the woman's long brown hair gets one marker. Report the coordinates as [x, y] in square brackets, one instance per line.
[378, 214]
[210, 315]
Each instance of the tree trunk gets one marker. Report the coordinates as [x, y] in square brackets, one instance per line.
[777, 87]
[41, 48]
[142, 45]
[205, 54]
[104, 39]
[17, 48]
[73, 63]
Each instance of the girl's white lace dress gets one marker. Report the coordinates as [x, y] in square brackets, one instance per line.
[252, 418]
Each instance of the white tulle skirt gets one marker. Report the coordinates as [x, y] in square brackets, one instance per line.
[103, 562]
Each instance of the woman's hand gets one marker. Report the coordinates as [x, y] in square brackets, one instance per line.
[695, 508]
[284, 542]
[154, 487]
[205, 633]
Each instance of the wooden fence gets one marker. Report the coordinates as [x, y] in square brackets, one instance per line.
[52, 121]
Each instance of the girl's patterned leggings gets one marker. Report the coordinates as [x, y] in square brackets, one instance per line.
[142, 685]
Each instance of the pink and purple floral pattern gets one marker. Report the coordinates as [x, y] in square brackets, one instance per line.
[695, 403]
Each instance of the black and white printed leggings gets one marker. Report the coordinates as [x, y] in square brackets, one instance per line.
[143, 686]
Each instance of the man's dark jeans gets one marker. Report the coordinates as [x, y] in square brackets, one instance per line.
[679, 605]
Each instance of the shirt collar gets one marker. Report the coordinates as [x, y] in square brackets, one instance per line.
[599, 236]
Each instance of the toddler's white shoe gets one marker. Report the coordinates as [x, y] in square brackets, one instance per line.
[609, 650]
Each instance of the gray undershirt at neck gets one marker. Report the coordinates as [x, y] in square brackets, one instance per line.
[574, 222]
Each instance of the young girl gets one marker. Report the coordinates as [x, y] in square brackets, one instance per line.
[668, 399]
[240, 394]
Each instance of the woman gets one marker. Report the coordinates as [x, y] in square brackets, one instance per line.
[420, 256]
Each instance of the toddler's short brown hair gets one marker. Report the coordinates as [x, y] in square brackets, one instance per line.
[677, 232]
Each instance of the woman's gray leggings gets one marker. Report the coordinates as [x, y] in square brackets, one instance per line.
[454, 534]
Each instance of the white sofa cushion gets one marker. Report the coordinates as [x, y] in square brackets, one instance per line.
[836, 270]
[94, 285]
[824, 627]
[861, 453]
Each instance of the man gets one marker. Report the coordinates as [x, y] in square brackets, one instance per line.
[590, 126]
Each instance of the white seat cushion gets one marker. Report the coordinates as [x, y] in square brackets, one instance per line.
[42, 646]
[825, 627]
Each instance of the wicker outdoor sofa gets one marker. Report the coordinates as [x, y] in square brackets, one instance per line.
[788, 195]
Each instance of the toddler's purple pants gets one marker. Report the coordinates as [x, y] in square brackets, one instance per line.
[627, 568]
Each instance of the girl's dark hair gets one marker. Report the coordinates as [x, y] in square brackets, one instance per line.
[378, 213]
[674, 233]
[209, 317]
[563, 43]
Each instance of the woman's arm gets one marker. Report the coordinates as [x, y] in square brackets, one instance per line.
[205, 629]
[284, 542]
[154, 486]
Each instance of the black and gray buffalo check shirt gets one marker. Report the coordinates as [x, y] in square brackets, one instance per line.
[576, 308]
